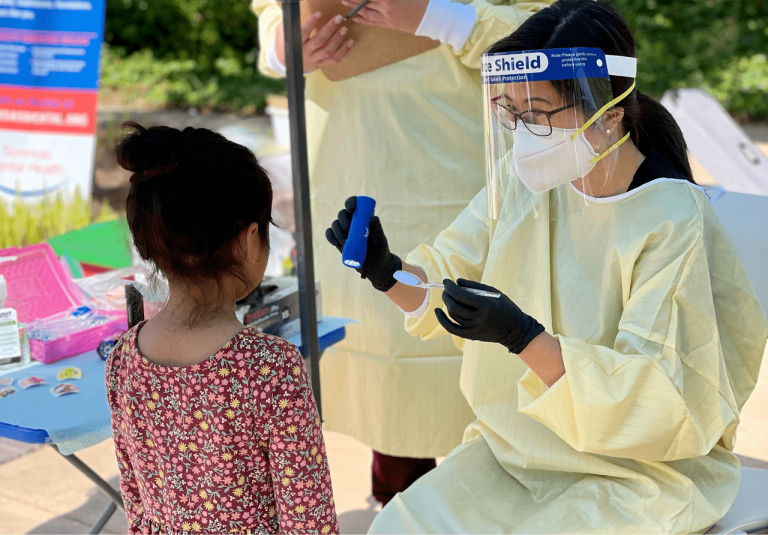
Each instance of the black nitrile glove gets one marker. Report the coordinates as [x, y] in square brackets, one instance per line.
[487, 319]
[380, 265]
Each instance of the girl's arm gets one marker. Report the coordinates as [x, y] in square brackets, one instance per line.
[297, 457]
[129, 488]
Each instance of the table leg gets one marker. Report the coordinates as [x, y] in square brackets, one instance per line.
[93, 476]
[104, 518]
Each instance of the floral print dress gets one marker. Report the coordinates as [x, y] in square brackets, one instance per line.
[232, 444]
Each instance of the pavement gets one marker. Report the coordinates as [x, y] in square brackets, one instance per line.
[42, 493]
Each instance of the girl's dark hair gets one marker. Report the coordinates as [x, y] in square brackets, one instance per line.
[192, 193]
[590, 24]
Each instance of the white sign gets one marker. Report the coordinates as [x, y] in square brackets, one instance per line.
[36, 164]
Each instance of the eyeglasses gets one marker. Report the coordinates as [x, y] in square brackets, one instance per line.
[537, 122]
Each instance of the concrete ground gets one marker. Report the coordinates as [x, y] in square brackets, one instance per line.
[41, 493]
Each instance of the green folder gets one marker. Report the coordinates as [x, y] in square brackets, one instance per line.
[107, 245]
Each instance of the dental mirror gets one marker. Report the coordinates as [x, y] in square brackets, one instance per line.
[409, 279]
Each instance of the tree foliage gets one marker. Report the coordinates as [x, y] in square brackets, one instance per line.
[200, 30]
[209, 46]
[718, 45]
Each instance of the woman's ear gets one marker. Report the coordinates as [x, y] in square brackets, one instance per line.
[612, 119]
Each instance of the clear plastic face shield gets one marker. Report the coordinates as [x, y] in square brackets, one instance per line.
[551, 130]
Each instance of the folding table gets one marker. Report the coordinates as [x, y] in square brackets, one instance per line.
[76, 421]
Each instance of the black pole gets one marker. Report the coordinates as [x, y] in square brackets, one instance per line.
[294, 84]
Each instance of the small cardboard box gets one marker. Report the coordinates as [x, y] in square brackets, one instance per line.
[273, 308]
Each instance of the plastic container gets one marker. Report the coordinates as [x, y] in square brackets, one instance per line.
[73, 332]
[36, 277]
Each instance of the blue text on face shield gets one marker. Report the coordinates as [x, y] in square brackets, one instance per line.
[528, 63]
[518, 63]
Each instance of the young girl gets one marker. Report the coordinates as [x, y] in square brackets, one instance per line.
[215, 424]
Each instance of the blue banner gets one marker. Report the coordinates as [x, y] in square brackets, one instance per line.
[51, 43]
[49, 77]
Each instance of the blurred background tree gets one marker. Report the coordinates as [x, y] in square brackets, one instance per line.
[203, 52]
[718, 45]
[184, 53]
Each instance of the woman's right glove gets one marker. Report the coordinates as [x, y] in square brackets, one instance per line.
[380, 265]
[487, 319]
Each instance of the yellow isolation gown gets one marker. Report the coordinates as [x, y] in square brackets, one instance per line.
[662, 337]
[410, 136]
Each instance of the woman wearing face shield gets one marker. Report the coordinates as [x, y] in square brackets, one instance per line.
[607, 379]
[393, 132]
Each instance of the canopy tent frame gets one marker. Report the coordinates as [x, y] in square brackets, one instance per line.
[294, 84]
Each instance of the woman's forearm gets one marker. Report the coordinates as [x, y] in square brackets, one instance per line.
[545, 358]
[408, 298]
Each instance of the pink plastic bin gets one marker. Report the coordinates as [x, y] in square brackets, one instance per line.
[74, 332]
[36, 277]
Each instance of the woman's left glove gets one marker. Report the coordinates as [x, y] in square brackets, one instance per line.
[380, 264]
[486, 319]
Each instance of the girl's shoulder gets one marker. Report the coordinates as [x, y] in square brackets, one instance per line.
[257, 347]
[125, 344]
[122, 355]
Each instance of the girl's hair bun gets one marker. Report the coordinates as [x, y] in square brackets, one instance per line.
[149, 152]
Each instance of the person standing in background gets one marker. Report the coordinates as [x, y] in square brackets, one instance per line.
[410, 135]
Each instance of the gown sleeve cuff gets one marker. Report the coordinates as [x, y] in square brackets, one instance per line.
[448, 22]
[551, 406]
[274, 63]
[426, 325]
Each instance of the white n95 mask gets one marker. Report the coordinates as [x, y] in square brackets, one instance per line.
[564, 157]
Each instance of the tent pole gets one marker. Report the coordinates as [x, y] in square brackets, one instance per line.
[294, 84]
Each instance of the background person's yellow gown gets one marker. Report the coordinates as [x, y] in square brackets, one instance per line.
[662, 337]
[410, 135]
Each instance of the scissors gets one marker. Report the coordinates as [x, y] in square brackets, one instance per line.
[358, 7]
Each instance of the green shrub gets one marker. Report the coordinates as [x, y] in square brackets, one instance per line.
[143, 79]
[183, 53]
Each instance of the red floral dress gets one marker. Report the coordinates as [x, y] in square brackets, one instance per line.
[232, 444]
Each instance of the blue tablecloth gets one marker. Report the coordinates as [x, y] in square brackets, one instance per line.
[72, 421]
[77, 421]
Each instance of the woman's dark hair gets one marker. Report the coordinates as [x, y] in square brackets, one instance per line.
[590, 24]
[192, 194]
